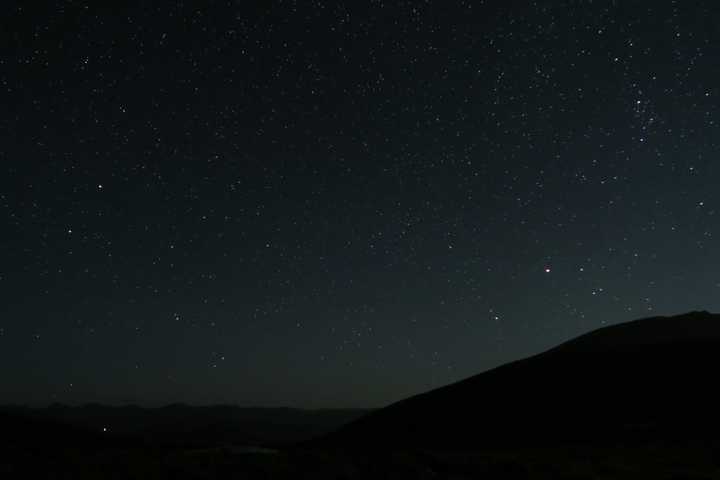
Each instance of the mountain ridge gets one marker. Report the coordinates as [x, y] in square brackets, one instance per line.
[644, 379]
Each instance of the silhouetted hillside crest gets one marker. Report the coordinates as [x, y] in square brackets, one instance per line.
[693, 326]
[649, 379]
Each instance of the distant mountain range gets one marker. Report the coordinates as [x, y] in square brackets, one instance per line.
[649, 380]
[172, 425]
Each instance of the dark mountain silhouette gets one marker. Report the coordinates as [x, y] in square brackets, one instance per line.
[654, 379]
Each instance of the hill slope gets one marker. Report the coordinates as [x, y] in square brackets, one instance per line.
[651, 379]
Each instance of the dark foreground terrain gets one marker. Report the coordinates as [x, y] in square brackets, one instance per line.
[657, 462]
[633, 401]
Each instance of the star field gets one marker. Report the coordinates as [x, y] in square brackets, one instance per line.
[329, 204]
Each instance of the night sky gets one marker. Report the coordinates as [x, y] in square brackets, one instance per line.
[333, 204]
